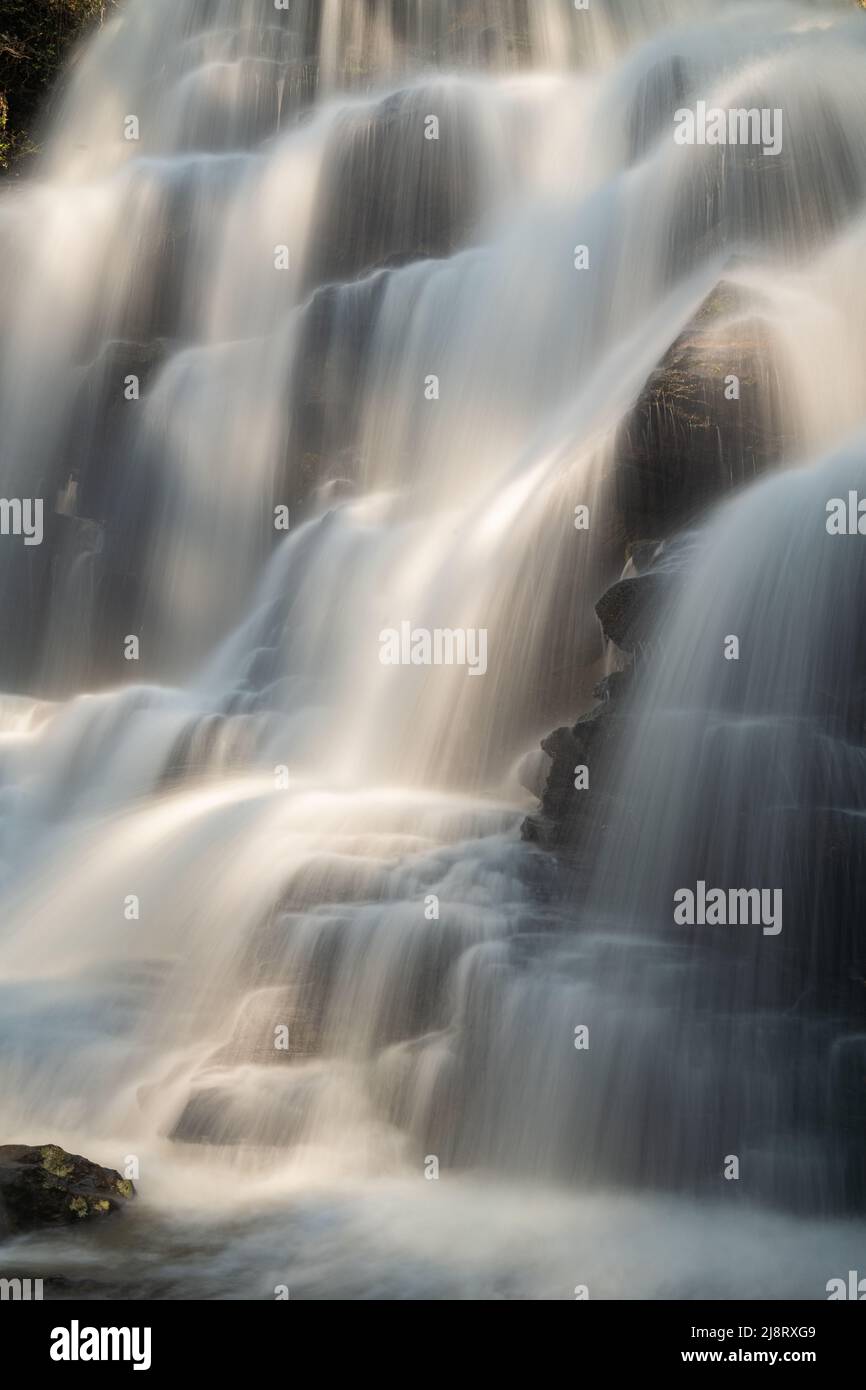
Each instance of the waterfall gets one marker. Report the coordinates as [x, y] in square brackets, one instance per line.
[299, 349]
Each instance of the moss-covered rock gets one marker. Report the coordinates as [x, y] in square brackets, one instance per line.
[43, 1185]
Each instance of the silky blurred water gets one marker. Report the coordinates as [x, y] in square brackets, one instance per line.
[312, 840]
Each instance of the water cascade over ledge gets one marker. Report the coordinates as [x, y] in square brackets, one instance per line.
[398, 273]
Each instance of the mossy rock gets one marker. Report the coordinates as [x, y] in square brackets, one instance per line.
[43, 1185]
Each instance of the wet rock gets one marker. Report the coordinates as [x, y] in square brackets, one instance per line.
[272, 1026]
[629, 610]
[685, 444]
[642, 557]
[567, 812]
[99, 451]
[533, 771]
[43, 1186]
[327, 391]
[365, 219]
[659, 95]
[614, 686]
[99, 511]
[812, 188]
[815, 854]
[264, 96]
[233, 1106]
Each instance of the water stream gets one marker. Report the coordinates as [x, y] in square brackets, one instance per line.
[257, 825]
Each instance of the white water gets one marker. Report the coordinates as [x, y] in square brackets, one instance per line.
[304, 905]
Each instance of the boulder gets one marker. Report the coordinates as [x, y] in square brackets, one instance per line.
[685, 444]
[43, 1186]
[628, 610]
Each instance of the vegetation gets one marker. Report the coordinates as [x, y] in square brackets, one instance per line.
[35, 38]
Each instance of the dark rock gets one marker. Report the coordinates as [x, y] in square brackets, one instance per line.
[659, 95]
[44, 1186]
[221, 1111]
[364, 219]
[99, 514]
[628, 611]
[327, 389]
[98, 454]
[684, 444]
[642, 557]
[567, 813]
[615, 686]
[630, 608]
[539, 830]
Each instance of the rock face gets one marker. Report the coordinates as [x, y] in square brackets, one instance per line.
[629, 613]
[694, 433]
[629, 609]
[43, 1185]
[568, 812]
[663, 90]
[708, 421]
[364, 219]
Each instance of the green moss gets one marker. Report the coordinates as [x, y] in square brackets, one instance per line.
[55, 1161]
[79, 1206]
[35, 38]
[124, 1187]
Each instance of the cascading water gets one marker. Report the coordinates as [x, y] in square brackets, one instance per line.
[282, 294]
